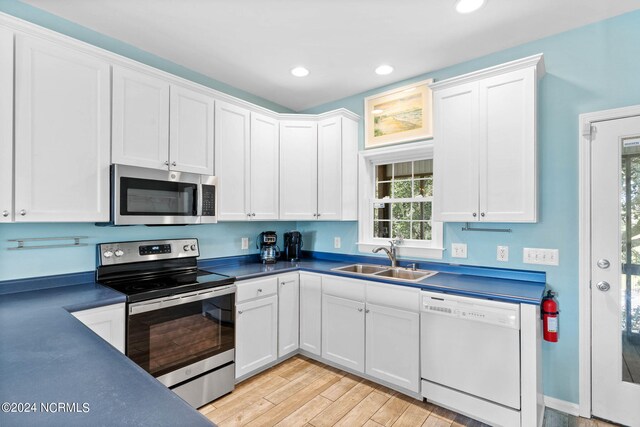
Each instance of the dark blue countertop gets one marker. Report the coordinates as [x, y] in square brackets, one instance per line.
[497, 284]
[47, 356]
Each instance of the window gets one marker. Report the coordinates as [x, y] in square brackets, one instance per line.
[396, 188]
[403, 200]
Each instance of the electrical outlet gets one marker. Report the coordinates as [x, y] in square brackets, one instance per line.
[337, 243]
[459, 250]
[503, 253]
[245, 243]
[541, 256]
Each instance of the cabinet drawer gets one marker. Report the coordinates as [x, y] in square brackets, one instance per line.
[343, 288]
[394, 296]
[256, 288]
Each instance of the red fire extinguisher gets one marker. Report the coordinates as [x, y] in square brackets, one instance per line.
[549, 314]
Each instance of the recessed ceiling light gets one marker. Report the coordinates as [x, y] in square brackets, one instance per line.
[383, 70]
[300, 72]
[468, 6]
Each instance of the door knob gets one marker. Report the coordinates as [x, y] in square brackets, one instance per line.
[603, 263]
[603, 286]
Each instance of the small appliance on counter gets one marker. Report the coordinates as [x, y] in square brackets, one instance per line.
[269, 251]
[292, 245]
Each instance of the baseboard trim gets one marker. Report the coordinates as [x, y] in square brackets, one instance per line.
[562, 406]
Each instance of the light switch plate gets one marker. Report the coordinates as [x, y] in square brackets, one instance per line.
[541, 256]
[245, 243]
[459, 250]
[502, 253]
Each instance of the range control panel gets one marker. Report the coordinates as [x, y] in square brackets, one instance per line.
[148, 250]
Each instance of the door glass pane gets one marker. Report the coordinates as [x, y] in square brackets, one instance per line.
[630, 238]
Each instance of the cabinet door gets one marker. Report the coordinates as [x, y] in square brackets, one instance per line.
[107, 322]
[349, 169]
[191, 131]
[232, 162]
[140, 119]
[393, 346]
[62, 139]
[456, 154]
[6, 125]
[256, 334]
[265, 145]
[298, 170]
[310, 313]
[330, 169]
[343, 332]
[508, 147]
[288, 318]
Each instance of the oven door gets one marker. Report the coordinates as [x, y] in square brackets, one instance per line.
[182, 336]
[154, 197]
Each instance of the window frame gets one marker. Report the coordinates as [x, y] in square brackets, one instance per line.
[368, 160]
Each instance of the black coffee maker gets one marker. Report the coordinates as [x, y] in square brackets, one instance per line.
[292, 245]
[269, 251]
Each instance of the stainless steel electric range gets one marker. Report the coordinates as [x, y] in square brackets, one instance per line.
[181, 320]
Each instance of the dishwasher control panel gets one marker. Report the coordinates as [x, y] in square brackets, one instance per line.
[474, 309]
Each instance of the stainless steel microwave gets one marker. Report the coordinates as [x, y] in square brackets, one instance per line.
[157, 197]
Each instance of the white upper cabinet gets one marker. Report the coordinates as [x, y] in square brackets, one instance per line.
[265, 144]
[298, 170]
[140, 119]
[330, 169]
[485, 144]
[62, 133]
[191, 131]
[232, 162]
[160, 125]
[6, 125]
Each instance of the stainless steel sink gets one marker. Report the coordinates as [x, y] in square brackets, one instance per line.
[362, 268]
[397, 273]
[404, 274]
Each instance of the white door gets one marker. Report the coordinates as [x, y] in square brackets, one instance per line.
[191, 131]
[6, 125]
[310, 313]
[256, 334]
[343, 332]
[140, 119]
[615, 270]
[62, 133]
[298, 170]
[288, 309]
[265, 151]
[456, 154]
[507, 147]
[232, 162]
[393, 346]
[330, 169]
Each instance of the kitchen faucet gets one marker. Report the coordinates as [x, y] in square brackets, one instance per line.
[391, 252]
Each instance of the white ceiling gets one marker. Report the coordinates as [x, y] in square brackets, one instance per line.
[252, 44]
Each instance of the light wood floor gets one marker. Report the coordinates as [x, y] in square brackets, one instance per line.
[304, 392]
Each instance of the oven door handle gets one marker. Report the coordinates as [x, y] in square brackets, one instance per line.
[188, 298]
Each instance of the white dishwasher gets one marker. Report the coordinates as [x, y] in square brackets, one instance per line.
[470, 355]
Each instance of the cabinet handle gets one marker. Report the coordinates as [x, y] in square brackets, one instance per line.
[319, 214]
[173, 164]
[248, 214]
[253, 214]
[23, 212]
[360, 310]
[166, 163]
[482, 214]
[475, 214]
[5, 213]
[239, 311]
[259, 289]
[315, 214]
[367, 310]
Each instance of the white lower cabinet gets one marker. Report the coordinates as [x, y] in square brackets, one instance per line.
[311, 313]
[343, 331]
[256, 334]
[288, 314]
[393, 346]
[107, 322]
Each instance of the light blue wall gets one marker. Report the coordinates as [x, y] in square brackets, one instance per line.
[591, 68]
[45, 19]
